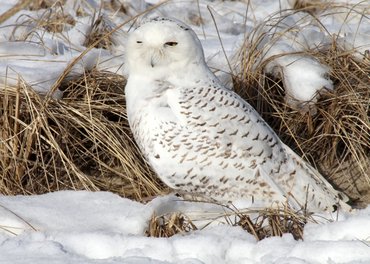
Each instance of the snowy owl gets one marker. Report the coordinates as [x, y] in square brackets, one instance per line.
[202, 138]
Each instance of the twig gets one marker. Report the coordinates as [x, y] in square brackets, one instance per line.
[15, 9]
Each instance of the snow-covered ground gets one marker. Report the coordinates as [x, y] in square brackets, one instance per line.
[85, 227]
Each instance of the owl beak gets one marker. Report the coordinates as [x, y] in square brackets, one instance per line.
[155, 58]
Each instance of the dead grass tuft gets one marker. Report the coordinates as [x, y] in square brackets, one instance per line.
[80, 142]
[273, 222]
[311, 6]
[98, 35]
[45, 4]
[55, 20]
[169, 225]
[336, 139]
[117, 6]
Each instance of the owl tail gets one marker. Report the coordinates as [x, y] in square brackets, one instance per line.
[321, 195]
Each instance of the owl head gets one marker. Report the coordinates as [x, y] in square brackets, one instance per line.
[163, 44]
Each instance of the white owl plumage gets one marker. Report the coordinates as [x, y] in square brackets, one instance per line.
[202, 138]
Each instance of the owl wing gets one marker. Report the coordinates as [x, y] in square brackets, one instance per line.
[226, 119]
[210, 130]
[214, 114]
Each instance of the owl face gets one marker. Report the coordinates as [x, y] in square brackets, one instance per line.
[161, 44]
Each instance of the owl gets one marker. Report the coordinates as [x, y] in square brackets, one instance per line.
[202, 138]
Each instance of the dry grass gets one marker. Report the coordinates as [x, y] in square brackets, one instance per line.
[9, 13]
[55, 20]
[274, 222]
[261, 223]
[169, 225]
[117, 6]
[45, 4]
[98, 36]
[336, 138]
[80, 142]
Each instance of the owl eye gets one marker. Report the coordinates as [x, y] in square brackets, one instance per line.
[170, 43]
[139, 42]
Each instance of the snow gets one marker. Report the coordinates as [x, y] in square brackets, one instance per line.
[100, 227]
[311, 80]
[86, 227]
[24, 65]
